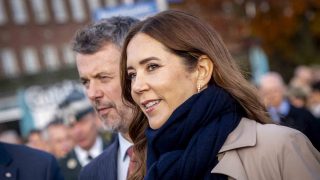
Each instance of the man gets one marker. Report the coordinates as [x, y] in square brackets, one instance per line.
[35, 140]
[57, 136]
[21, 162]
[80, 116]
[98, 47]
[314, 100]
[273, 90]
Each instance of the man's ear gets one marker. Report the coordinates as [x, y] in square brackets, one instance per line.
[204, 68]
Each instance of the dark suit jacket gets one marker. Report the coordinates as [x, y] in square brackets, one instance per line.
[103, 167]
[302, 120]
[70, 165]
[20, 162]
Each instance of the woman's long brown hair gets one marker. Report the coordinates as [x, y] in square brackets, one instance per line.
[188, 36]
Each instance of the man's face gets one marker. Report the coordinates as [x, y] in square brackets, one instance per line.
[272, 92]
[59, 140]
[35, 141]
[85, 131]
[99, 73]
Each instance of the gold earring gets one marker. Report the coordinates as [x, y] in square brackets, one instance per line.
[199, 87]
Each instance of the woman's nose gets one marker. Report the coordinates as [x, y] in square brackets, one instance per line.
[139, 84]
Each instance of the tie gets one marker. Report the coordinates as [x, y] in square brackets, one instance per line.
[89, 157]
[132, 163]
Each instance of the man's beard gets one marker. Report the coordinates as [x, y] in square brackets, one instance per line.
[117, 124]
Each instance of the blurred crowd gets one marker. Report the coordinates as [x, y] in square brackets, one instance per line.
[70, 137]
[74, 136]
[296, 104]
[304, 89]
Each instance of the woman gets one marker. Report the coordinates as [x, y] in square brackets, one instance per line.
[196, 115]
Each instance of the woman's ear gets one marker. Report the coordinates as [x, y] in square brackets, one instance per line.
[204, 68]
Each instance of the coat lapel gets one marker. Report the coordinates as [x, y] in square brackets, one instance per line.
[230, 164]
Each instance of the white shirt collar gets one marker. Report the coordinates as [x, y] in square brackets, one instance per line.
[124, 145]
[94, 151]
[284, 108]
[123, 160]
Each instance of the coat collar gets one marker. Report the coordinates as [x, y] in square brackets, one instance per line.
[245, 135]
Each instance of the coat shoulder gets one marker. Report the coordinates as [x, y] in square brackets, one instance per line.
[277, 135]
[26, 160]
[289, 153]
[24, 152]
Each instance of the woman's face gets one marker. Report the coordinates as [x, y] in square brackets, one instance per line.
[160, 81]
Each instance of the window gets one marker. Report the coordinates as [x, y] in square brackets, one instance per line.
[59, 11]
[111, 3]
[30, 60]
[93, 5]
[9, 62]
[19, 11]
[68, 55]
[128, 1]
[3, 15]
[77, 10]
[40, 11]
[50, 55]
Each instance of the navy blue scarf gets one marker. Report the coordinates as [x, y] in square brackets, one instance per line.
[186, 146]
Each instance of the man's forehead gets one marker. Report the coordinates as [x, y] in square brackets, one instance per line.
[110, 47]
[104, 60]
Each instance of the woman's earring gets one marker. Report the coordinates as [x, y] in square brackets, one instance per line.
[199, 87]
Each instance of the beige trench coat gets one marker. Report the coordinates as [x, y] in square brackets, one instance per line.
[254, 151]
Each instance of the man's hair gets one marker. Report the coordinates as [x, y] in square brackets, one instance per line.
[93, 37]
[54, 123]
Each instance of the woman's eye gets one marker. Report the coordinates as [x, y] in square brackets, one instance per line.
[152, 67]
[131, 76]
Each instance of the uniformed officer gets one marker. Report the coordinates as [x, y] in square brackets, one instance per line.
[84, 127]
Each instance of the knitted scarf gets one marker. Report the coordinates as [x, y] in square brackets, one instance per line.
[186, 146]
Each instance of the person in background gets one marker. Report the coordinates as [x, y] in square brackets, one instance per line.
[298, 97]
[23, 163]
[314, 100]
[199, 117]
[98, 46]
[57, 136]
[273, 91]
[302, 78]
[10, 136]
[35, 140]
[82, 120]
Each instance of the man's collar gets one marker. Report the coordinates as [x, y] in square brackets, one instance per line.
[124, 144]
[284, 108]
[94, 151]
